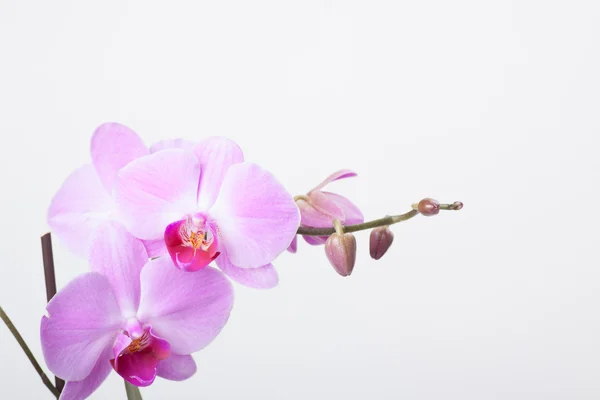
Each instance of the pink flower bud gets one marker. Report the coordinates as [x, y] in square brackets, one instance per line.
[429, 207]
[457, 205]
[380, 241]
[341, 252]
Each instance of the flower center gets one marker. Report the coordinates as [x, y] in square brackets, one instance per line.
[194, 233]
[191, 243]
[140, 343]
[136, 353]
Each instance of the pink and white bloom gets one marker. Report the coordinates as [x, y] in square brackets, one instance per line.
[318, 209]
[141, 318]
[208, 204]
[85, 200]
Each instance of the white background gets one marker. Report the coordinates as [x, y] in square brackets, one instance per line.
[494, 103]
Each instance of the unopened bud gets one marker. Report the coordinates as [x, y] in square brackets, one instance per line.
[380, 241]
[428, 207]
[341, 252]
[457, 205]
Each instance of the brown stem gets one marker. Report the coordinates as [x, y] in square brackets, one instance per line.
[50, 278]
[11, 327]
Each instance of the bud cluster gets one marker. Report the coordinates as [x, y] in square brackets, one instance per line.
[340, 247]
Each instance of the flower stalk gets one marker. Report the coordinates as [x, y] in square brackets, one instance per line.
[133, 392]
[50, 279]
[11, 327]
[389, 220]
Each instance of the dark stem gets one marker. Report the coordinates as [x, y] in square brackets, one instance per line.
[50, 278]
[28, 353]
[48, 258]
[390, 220]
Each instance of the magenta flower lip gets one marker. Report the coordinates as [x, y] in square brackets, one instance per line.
[191, 243]
[137, 353]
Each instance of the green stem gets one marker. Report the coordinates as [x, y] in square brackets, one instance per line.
[21, 341]
[133, 392]
[303, 230]
[385, 221]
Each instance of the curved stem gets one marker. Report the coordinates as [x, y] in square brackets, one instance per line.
[11, 327]
[303, 230]
[390, 220]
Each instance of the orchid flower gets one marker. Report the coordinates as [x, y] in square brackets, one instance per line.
[85, 200]
[318, 209]
[208, 204]
[141, 318]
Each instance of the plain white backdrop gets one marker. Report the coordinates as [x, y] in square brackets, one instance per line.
[494, 103]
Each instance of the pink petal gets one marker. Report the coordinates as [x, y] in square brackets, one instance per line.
[341, 174]
[293, 247]
[139, 369]
[257, 218]
[176, 367]
[83, 320]
[186, 309]
[311, 217]
[79, 206]
[155, 248]
[216, 155]
[173, 144]
[315, 240]
[325, 205]
[114, 146]
[120, 257]
[264, 277]
[79, 390]
[153, 191]
[352, 215]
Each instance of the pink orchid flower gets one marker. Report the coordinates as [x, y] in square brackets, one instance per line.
[141, 318]
[318, 209]
[208, 204]
[85, 200]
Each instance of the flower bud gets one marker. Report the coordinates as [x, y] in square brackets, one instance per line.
[341, 252]
[457, 205]
[428, 207]
[380, 241]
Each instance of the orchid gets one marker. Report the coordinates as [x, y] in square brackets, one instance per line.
[151, 221]
[209, 205]
[141, 318]
[85, 200]
[319, 209]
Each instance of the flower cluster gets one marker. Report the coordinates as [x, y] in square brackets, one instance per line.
[151, 221]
